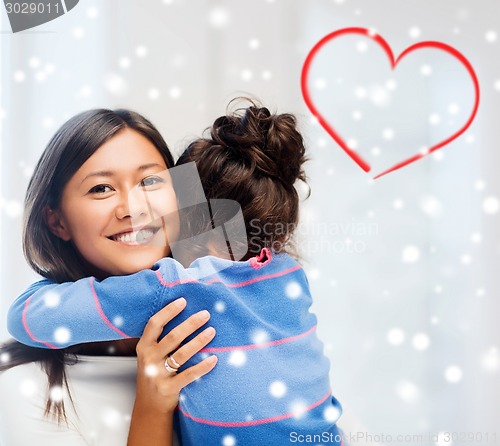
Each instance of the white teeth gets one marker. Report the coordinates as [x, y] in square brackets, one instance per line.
[134, 237]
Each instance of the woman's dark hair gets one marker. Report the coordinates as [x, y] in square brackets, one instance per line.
[254, 157]
[73, 144]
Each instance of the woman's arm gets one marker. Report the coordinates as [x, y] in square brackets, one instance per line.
[157, 391]
[53, 315]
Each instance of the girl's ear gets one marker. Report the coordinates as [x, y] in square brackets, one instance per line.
[56, 224]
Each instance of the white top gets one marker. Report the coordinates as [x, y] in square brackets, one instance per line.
[103, 391]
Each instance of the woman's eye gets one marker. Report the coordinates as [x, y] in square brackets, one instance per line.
[100, 189]
[151, 181]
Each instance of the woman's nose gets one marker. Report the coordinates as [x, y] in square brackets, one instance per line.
[133, 204]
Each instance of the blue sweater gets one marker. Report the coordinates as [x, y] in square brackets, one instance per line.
[271, 382]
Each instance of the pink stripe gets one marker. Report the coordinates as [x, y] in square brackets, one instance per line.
[253, 422]
[253, 346]
[229, 285]
[25, 325]
[101, 313]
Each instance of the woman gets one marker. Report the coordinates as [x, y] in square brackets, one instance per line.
[92, 401]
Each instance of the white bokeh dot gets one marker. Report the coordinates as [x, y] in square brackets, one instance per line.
[453, 108]
[237, 358]
[115, 84]
[430, 206]
[395, 336]
[34, 62]
[453, 374]
[407, 391]
[219, 306]
[391, 84]
[360, 92]
[118, 321]
[56, 394]
[124, 62]
[320, 83]
[491, 360]
[50, 68]
[438, 155]
[332, 414]
[13, 208]
[476, 237]
[4, 357]
[414, 32]
[293, 290]
[141, 51]
[491, 205]
[426, 70]
[51, 298]
[153, 94]
[398, 204]
[352, 143]
[410, 254]
[62, 335]
[388, 134]
[479, 185]
[277, 389]
[443, 439]
[111, 417]
[465, 259]
[78, 32]
[267, 75]
[175, 92]
[361, 46]
[28, 387]
[298, 408]
[151, 370]
[246, 75]
[260, 336]
[254, 44]
[421, 341]
[19, 76]
[491, 36]
[218, 17]
[92, 13]
[434, 119]
[229, 440]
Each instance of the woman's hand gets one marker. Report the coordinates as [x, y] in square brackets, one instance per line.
[157, 391]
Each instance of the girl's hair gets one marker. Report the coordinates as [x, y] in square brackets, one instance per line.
[254, 157]
[73, 144]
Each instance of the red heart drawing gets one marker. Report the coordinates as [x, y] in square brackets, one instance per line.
[378, 39]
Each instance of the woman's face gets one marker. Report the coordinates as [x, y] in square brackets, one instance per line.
[119, 209]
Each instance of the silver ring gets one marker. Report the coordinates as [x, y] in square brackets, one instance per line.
[169, 369]
[174, 362]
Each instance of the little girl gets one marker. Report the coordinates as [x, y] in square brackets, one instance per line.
[271, 384]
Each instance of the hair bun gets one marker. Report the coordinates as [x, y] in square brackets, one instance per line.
[267, 143]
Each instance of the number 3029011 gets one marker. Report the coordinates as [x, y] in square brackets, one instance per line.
[32, 8]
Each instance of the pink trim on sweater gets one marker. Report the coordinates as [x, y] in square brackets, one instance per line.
[262, 345]
[229, 285]
[253, 422]
[257, 263]
[25, 325]
[101, 313]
